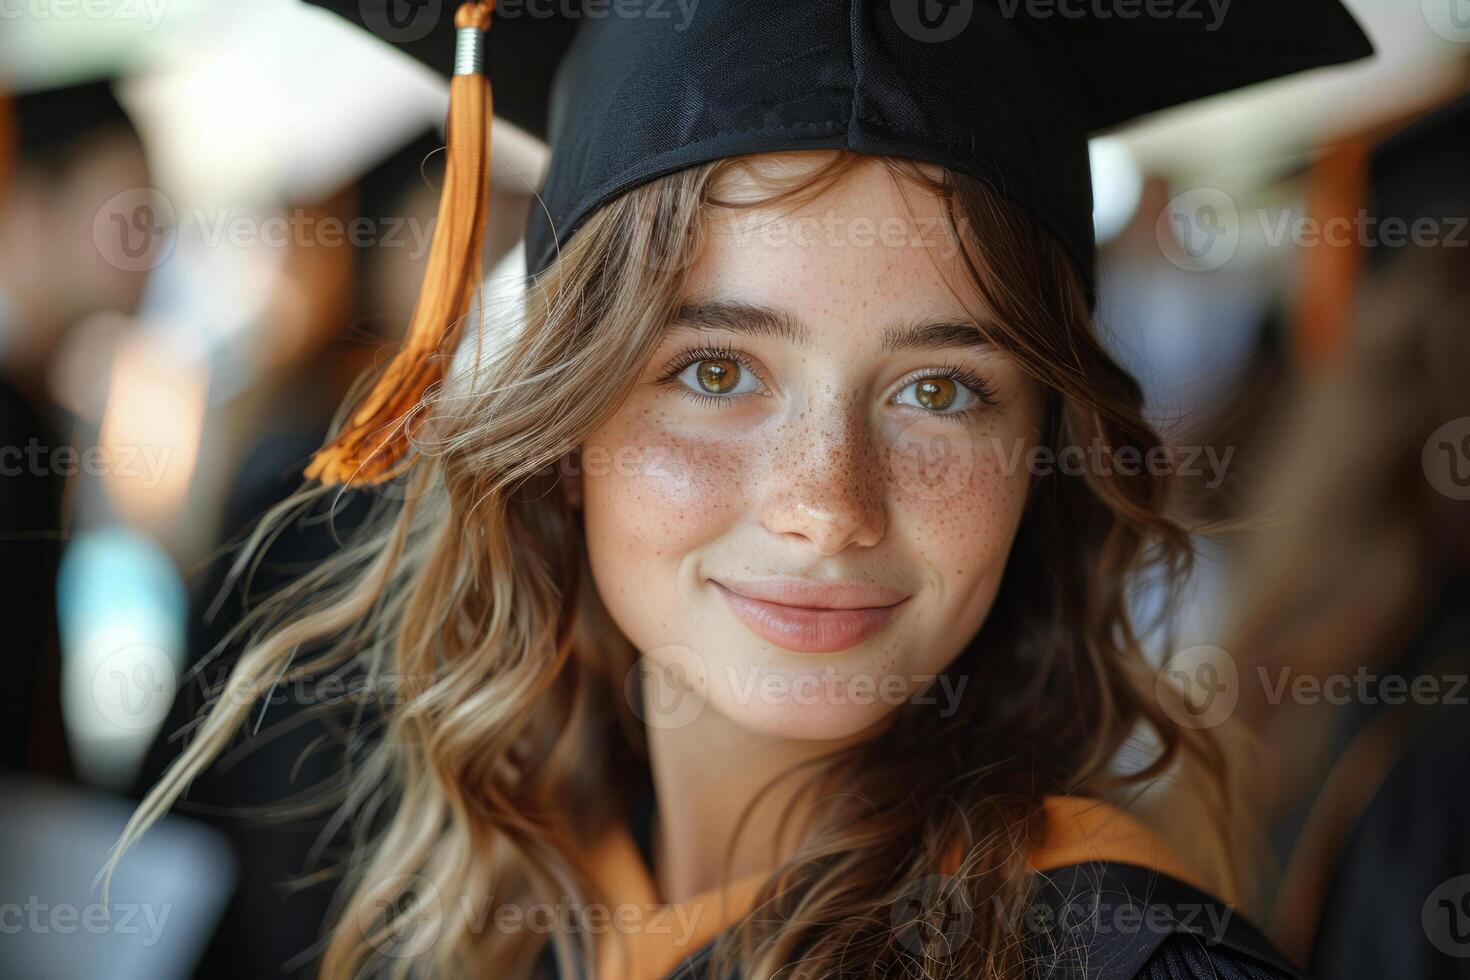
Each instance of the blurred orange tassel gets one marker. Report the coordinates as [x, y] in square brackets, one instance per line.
[374, 444]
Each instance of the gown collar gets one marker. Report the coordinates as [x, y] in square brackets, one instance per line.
[656, 936]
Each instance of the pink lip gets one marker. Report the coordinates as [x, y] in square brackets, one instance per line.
[811, 617]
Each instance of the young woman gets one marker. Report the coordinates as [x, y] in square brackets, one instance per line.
[727, 618]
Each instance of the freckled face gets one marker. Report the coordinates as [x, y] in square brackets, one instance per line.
[821, 416]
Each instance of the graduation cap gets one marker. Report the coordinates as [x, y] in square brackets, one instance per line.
[625, 91]
[1417, 176]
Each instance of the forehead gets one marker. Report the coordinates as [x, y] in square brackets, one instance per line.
[875, 247]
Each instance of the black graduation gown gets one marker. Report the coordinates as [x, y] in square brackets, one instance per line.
[1127, 921]
[1394, 898]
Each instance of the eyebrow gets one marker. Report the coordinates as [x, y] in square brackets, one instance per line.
[763, 321]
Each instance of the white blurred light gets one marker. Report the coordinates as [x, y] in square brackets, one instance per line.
[49, 44]
[1117, 186]
[1248, 138]
[121, 607]
[499, 308]
[278, 101]
[151, 428]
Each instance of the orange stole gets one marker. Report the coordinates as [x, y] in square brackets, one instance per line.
[658, 935]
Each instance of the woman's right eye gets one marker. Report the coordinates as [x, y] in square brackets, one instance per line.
[712, 375]
[719, 377]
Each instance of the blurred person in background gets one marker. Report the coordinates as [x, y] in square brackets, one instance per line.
[67, 151]
[271, 799]
[1353, 630]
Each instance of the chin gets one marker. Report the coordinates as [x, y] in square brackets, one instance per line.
[812, 697]
[802, 722]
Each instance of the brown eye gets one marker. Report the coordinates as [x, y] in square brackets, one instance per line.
[943, 394]
[717, 375]
[714, 377]
[936, 394]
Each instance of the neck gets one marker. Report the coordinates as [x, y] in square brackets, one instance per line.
[705, 774]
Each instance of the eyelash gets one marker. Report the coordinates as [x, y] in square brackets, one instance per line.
[981, 388]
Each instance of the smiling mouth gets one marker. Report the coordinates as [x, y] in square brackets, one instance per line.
[810, 629]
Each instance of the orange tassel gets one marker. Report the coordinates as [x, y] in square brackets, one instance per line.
[374, 445]
[8, 140]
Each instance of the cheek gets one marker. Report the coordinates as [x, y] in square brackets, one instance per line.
[962, 485]
[651, 495]
[957, 501]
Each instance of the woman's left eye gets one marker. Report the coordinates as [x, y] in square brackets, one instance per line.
[957, 391]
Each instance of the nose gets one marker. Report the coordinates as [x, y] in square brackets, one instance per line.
[826, 482]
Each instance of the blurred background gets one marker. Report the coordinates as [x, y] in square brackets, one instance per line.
[207, 232]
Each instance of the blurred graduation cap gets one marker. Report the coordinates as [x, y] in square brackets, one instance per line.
[1004, 90]
[1418, 176]
[48, 121]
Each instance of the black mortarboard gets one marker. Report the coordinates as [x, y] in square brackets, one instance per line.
[1420, 178]
[1004, 90]
[47, 121]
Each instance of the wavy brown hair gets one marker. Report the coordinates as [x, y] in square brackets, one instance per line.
[499, 743]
